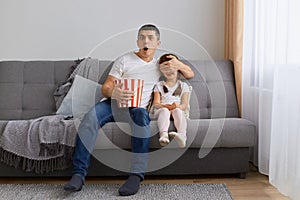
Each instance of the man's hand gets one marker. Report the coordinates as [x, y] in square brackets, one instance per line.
[174, 63]
[122, 96]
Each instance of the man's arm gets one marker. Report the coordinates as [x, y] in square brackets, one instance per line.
[108, 86]
[185, 70]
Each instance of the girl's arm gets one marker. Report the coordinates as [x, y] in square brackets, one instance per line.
[156, 100]
[184, 101]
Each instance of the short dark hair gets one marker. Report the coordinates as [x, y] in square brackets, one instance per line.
[150, 27]
[164, 58]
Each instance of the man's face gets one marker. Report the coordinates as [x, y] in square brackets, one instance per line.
[147, 42]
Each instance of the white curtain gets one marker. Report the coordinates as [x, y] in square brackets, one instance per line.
[270, 88]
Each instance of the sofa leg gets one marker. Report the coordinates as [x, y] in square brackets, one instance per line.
[242, 175]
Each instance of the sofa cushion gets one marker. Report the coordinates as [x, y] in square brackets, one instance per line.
[27, 87]
[226, 132]
[83, 95]
[229, 132]
[213, 93]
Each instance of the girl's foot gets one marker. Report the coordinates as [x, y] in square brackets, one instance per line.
[180, 138]
[172, 134]
[164, 139]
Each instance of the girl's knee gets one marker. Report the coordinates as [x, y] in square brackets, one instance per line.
[178, 111]
[165, 110]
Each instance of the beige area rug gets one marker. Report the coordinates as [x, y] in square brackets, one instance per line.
[110, 192]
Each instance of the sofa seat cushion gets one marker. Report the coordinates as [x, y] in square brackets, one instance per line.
[229, 132]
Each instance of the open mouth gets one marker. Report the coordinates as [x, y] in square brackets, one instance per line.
[170, 73]
[145, 48]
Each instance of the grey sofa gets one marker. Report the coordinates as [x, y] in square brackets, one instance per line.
[214, 127]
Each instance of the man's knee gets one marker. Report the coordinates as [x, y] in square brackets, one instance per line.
[140, 116]
[102, 111]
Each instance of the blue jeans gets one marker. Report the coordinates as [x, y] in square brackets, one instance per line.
[97, 117]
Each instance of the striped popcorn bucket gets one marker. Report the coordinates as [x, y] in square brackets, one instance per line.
[136, 85]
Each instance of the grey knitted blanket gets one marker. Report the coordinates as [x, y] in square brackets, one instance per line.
[41, 145]
[89, 68]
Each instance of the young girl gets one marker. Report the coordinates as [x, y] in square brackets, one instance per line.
[171, 98]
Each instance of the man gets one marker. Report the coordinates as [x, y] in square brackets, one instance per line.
[134, 65]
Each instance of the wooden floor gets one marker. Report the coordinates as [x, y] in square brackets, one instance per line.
[255, 186]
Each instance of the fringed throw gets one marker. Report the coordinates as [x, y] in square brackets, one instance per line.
[39, 145]
[37, 166]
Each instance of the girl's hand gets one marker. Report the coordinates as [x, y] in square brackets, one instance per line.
[177, 104]
[173, 106]
[168, 106]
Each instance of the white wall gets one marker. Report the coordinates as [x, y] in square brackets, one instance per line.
[71, 29]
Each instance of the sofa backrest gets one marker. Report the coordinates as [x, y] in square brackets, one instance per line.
[213, 94]
[27, 87]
